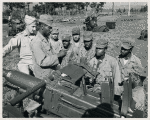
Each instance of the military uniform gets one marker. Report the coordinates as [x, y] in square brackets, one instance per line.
[88, 54]
[108, 67]
[69, 56]
[133, 65]
[22, 42]
[56, 45]
[76, 45]
[44, 60]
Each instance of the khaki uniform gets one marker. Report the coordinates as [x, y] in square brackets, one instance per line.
[22, 42]
[56, 45]
[76, 48]
[44, 60]
[108, 67]
[68, 57]
[89, 54]
[133, 65]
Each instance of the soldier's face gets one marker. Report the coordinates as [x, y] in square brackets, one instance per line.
[47, 30]
[88, 44]
[76, 38]
[66, 43]
[55, 36]
[124, 52]
[31, 27]
[100, 51]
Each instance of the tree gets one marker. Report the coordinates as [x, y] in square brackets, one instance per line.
[28, 3]
[93, 4]
[145, 8]
[14, 4]
[87, 4]
[124, 10]
[131, 10]
[119, 11]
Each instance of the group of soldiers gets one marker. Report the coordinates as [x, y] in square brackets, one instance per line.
[42, 52]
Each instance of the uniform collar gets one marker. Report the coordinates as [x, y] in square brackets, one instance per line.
[26, 33]
[39, 35]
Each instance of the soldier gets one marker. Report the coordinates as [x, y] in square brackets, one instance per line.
[77, 42]
[55, 42]
[91, 24]
[43, 59]
[106, 65]
[129, 63]
[67, 46]
[22, 41]
[87, 51]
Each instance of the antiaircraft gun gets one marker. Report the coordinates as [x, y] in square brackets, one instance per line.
[66, 94]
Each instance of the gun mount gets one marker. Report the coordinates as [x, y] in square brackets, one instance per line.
[66, 95]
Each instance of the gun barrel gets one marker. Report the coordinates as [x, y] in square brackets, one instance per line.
[27, 93]
[20, 79]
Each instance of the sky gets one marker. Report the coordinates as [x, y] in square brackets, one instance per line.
[117, 5]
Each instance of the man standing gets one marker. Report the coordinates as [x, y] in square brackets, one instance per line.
[44, 60]
[87, 51]
[76, 42]
[129, 63]
[106, 65]
[22, 41]
[55, 42]
[68, 47]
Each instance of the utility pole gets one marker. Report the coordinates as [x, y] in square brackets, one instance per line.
[129, 10]
[112, 8]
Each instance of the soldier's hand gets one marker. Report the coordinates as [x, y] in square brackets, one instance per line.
[62, 53]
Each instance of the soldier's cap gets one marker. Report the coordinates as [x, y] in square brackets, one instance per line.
[87, 36]
[128, 43]
[46, 19]
[66, 37]
[101, 43]
[28, 19]
[55, 30]
[76, 31]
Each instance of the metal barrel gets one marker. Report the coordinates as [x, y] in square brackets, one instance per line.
[27, 93]
[20, 79]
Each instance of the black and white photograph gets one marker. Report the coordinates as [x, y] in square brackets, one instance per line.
[75, 59]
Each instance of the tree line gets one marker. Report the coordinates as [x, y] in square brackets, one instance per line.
[134, 10]
[50, 7]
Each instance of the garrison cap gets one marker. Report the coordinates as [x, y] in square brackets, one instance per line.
[55, 30]
[128, 43]
[66, 37]
[101, 43]
[46, 19]
[87, 36]
[28, 19]
[76, 31]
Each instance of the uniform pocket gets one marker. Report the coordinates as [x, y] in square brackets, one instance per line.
[108, 71]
